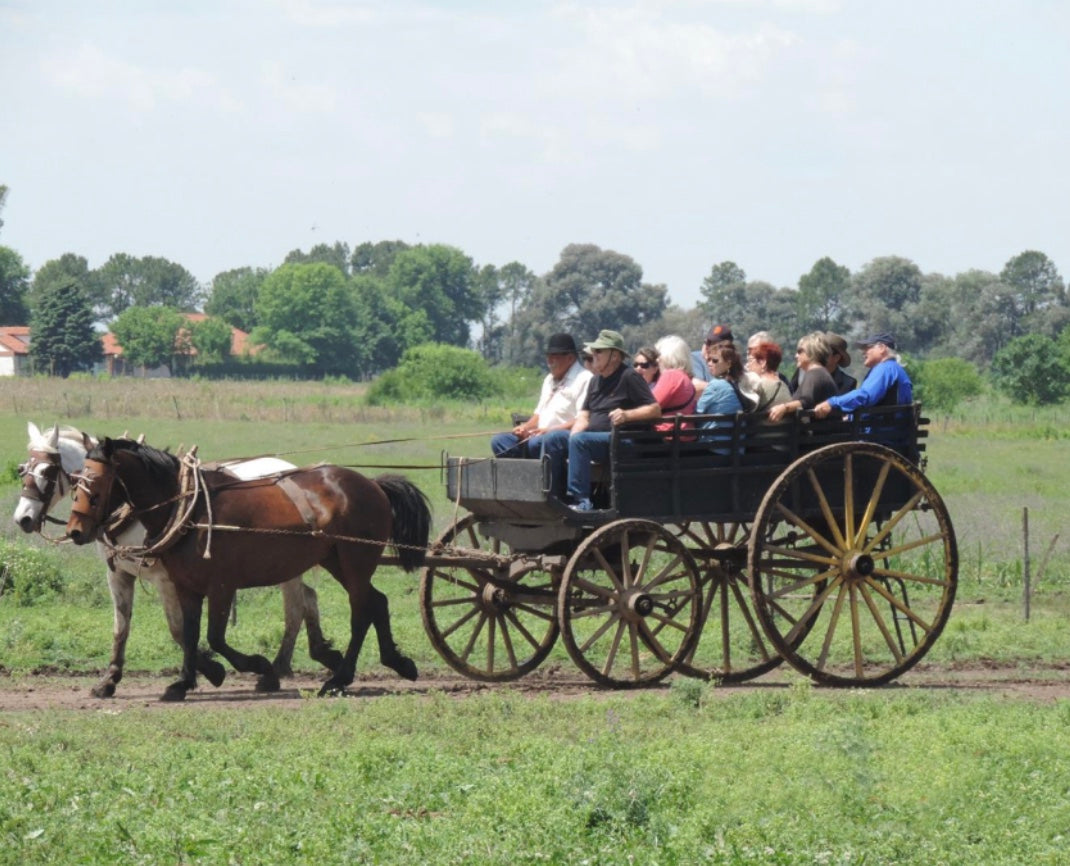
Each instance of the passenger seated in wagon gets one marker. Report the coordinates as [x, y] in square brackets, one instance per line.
[563, 391]
[617, 395]
[886, 384]
[724, 395]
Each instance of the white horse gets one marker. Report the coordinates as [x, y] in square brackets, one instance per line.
[58, 453]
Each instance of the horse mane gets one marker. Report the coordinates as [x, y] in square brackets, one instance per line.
[161, 465]
[39, 442]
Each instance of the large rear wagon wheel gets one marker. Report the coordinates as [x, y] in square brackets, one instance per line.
[731, 647]
[486, 623]
[853, 564]
[630, 603]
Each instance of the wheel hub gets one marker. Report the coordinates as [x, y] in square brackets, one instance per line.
[859, 565]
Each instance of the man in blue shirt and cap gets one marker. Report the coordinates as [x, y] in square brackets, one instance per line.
[886, 384]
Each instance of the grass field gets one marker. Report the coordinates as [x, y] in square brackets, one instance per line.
[789, 774]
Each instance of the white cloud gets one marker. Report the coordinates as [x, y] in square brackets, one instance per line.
[297, 95]
[89, 72]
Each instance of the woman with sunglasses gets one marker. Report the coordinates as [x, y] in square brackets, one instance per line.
[817, 384]
[666, 366]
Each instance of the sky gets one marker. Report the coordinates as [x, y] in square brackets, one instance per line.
[682, 133]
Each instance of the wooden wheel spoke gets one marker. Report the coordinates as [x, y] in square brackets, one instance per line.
[593, 588]
[453, 580]
[878, 618]
[893, 521]
[583, 610]
[610, 571]
[492, 628]
[614, 646]
[856, 632]
[653, 644]
[644, 563]
[826, 509]
[804, 555]
[545, 614]
[633, 645]
[522, 629]
[808, 529]
[798, 583]
[601, 630]
[830, 632]
[452, 602]
[898, 605]
[909, 545]
[744, 609]
[913, 578]
[446, 632]
[666, 621]
[474, 636]
[814, 609]
[668, 572]
[849, 495]
[871, 506]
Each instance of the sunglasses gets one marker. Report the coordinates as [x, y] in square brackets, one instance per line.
[643, 365]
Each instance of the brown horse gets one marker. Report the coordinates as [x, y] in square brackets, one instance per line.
[215, 535]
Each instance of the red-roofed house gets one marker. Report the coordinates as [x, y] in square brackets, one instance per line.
[14, 350]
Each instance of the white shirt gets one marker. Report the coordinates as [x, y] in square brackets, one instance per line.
[560, 401]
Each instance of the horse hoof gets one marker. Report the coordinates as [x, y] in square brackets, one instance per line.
[404, 667]
[332, 690]
[214, 672]
[175, 692]
[267, 683]
[103, 690]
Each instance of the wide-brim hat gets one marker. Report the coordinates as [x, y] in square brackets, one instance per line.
[561, 344]
[873, 339]
[608, 340]
[839, 346]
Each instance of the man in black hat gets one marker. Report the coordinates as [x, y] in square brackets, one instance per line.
[886, 383]
[563, 391]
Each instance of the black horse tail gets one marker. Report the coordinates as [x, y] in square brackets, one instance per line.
[412, 519]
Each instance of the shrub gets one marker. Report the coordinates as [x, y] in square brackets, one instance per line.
[1029, 370]
[944, 383]
[28, 575]
[435, 372]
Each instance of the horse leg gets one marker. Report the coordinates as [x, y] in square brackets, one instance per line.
[218, 612]
[319, 647]
[360, 618]
[293, 610]
[172, 608]
[191, 635]
[389, 654]
[121, 586]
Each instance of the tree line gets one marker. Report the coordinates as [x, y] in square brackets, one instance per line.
[354, 312]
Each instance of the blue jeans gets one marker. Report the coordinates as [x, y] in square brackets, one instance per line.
[580, 449]
[510, 445]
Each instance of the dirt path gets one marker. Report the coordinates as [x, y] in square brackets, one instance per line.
[50, 691]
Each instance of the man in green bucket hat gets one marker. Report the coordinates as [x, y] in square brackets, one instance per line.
[617, 395]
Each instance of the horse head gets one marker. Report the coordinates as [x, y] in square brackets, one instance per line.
[54, 455]
[121, 472]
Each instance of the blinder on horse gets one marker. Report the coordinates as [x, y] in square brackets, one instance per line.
[92, 495]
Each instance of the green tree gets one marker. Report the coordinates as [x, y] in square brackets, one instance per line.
[308, 314]
[211, 338]
[14, 286]
[233, 296]
[149, 335]
[124, 282]
[64, 340]
[441, 281]
[68, 268]
[336, 254]
[375, 259]
[943, 383]
[588, 289]
[723, 292]
[434, 372]
[821, 296]
[1028, 370]
[1036, 294]
[885, 295]
[3, 201]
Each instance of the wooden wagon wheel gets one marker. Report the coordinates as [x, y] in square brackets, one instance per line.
[731, 647]
[489, 630]
[853, 564]
[629, 603]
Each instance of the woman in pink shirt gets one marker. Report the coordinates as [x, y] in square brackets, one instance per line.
[667, 369]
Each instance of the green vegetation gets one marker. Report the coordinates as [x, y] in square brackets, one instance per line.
[689, 772]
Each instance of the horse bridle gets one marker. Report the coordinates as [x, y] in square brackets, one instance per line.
[50, 474]
[88, 504]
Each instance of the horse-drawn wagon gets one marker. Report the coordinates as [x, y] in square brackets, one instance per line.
[717, 553]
